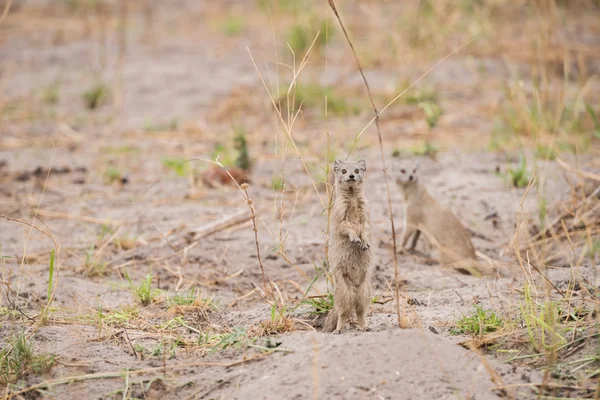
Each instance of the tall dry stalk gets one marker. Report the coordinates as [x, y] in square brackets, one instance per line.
[401, 319]
[244, 187]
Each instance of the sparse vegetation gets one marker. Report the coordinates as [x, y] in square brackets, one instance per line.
[426, 149]
[277, 183]
[322, 305]
[241, 146]
[519, 177]
[300, 36]
[96, 96]
[51, 94]
[479, 322]
[233, 25]
[144, 292]
[170, 126]
[19, 358]
[112, 175]
[312, 97]
[93, 267]
[178, 165]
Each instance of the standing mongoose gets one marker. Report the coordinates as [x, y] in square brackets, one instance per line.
[350, 251]
[445, 232]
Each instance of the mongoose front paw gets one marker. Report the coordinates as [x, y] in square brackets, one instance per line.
[336, 332]
[355, 239]
[365, 245]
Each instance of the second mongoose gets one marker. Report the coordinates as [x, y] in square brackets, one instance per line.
[422, 213]
[350, 251]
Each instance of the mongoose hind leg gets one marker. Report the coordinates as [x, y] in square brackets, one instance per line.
[343, 318]
[342, 302]
[406, 234]
[361, 304]
[415, 239]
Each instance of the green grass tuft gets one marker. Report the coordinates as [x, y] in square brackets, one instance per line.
[51, 94]
[96, 96]
[519, 176]
[233, 25]
[144, 291]
[178, 165]
[241, 145]
[322, 305]
[277, 183]
[479, 322]
[19, 359]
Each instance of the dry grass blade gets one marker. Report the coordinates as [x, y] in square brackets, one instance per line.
[253, 211]
[385, 177]
[57, 248]
[108, 375]
[5, 12]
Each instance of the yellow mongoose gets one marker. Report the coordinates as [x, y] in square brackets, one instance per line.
[350, 251]
[445, 232]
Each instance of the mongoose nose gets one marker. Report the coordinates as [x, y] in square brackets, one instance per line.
[410, 178]
[351, 177]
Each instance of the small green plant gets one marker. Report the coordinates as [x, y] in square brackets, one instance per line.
[396, 153]
[432, 112]
[18, 359]
[144, 291]
[224, 155]
[93, 267]
[543, 210]
[171, 126]
[125, 149]
[234, 339]
[233, 25]
[241, 145]
[298, 39]
[545, 152]
[312, 96]
[416, 95]
[426, 149]
[112, 175]
[594, 248]
[192, 298]
[594, 117]
[518, 176]
[121, 317]
[479, 322]
[540, 321]
[96, 96]
[51, 94]
[301, 36]
[322, 305]
[178, 165]
[277, 183]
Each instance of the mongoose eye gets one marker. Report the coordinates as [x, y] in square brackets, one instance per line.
[344, 171]
[356, 171]
[403, 171]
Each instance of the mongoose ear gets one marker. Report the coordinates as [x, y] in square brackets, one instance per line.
[336, 165]
[362, 164]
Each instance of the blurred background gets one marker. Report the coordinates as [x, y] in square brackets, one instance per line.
[76, 70]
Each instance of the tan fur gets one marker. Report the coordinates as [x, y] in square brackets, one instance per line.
[423, 214]
[350, 251]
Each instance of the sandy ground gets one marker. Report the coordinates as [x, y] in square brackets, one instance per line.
[179, 66]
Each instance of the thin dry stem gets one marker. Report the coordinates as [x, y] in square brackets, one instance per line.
[253, 211]
[385, 177]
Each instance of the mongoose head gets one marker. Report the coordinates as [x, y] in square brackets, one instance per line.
[407, 175]
[349, 173]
